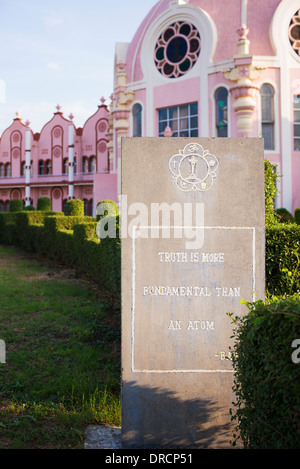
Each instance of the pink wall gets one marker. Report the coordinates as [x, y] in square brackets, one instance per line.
[94, 142]
[187, 91]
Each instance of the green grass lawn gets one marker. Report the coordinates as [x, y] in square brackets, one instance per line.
[62, 369]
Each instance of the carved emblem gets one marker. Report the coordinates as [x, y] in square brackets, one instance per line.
[193, 168]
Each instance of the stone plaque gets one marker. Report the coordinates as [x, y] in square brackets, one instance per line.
[192, 250]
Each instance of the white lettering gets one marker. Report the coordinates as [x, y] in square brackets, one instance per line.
[228, 291]
[296, 353]
[201, 325]
[175, 325]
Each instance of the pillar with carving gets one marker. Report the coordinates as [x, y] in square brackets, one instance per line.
[244, 91]
[121, 112]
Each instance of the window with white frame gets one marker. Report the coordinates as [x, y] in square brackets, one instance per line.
[182, 120]
[297, 122]
[267, 116]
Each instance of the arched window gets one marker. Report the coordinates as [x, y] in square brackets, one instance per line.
[7, 206]
[85, 165]
[41, 167]
[267, 115]
[7, 170]
[221, 106]
[91, 209]
[2, 170]
[137, 120]
[92, 164]
[1, 206]
[48, 167]
[66, 165]
[86, 207]
[23, 168]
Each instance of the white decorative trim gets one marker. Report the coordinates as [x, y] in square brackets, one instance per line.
[133, 294]
[279, 32]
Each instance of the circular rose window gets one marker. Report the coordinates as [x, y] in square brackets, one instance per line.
[294, 32]
[177, 49]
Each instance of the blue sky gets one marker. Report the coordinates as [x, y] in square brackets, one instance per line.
[61, 52]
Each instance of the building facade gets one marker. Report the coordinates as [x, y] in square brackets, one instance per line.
[194, 68]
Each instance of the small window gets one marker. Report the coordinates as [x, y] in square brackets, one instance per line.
[8, 170]
[66, 165]
[297, 123]
[137, 120]
[93, 164]
[267, 116]
[48, 167]
[2, 170]
[41, 167]
[221, 106]
[1, 206]
[85, 165]
[23, 169]
[86, 207]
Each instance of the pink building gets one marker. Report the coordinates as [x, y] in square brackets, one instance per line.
[194, 68]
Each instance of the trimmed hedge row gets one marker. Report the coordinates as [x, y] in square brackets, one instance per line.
[71, 240]
[266, 363]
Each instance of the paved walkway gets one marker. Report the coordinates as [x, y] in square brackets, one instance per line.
[102, 437]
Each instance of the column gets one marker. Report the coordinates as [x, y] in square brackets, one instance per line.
[27, 167]
[71, 162]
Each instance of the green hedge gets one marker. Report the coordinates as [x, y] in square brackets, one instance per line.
[16, 205]
[297, 216]
[270, 178]
[44, 204]
[284, 216]
[282, 259]
[75, 208]
[267, 375]
[106, 208]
